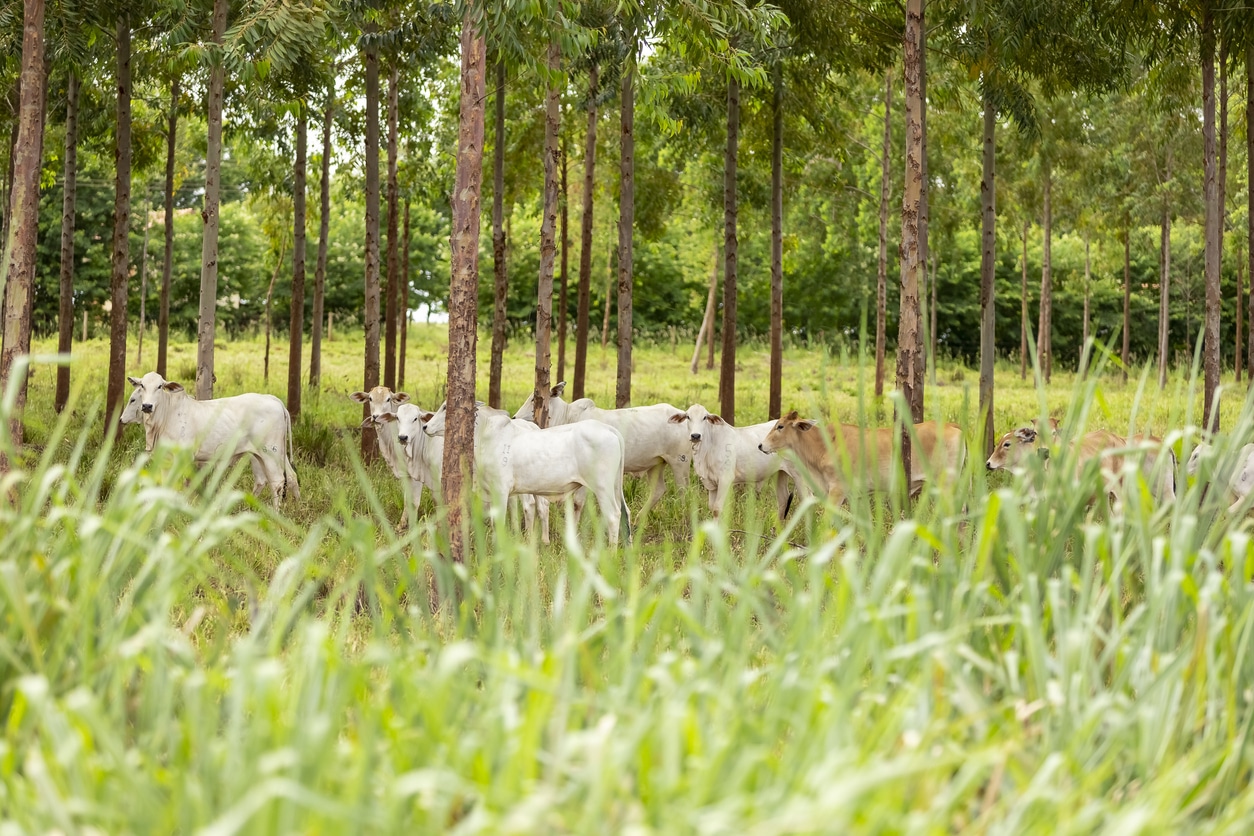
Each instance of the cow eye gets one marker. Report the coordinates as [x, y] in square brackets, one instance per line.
[1006, 445]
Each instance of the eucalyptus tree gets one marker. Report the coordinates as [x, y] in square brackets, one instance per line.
[121, 223]
[910, 360]
[17, 284]
[207, 321]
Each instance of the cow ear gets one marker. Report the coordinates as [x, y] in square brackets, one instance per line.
[427, 416]
[715, 419]
[556, 391]
[678, 418]
[805, 425]
[360, 397]
[387, 418]
[792, 416]
[401, 397]
[366, 422]
[171, 386]
[135, 381]
[1026, 434]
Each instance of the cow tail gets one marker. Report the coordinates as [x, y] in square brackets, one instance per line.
[289, 472]
[788, 504]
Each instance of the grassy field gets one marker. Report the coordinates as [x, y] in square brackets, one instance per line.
[175, 657]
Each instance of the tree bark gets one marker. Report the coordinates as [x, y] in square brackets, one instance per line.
[563, 231]
[1164, 289]
[167, 265]
[1210, 197]
[143, 290]
[371, 319]
[707, 321]
[881, 281]
[463, 290]
[23, 217]
[393, 255]
[1249, 195]
[609, 290]
[1126, 355]
[324, 228]
[585, 241]
[626, 226]
[1044, 343]
[775, 402]
[988, 266]
[404, 312]
[65, 317]
[548, 240]
[121, 231]
[278, 268]
[1084, 335]
[1239, 354]
[213, 183]
[727, 368]
[1023, 309]
[296, 323]
[909, 351]
[931, 283]
[916, 394]
[500, 268]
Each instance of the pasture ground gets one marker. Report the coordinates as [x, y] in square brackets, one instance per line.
[176, 657]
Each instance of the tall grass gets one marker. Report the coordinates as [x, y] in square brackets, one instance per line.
[176, 657]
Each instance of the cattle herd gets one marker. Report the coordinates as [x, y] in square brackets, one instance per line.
[586, 449]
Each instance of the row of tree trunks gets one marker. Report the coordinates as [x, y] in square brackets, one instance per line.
[296, 323]
[463, 288]
[167, 265]
[205, 330]
[121, 231]
[585, 240]
[499, 265]
[909, 355]
[881, 278]
[391, 300]
[626, 225]
[21, 239]
[1210, 197]
[548, 240]
[65, 323]
[988, 264]
[775, 401]
[324, 227]
[731, 253]
[371, 318]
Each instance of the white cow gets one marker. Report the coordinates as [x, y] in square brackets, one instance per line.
[133, 414]
[383, 401]
[251, 425]
[653, 442]
[1239, 474]
[512, 458]
[723, 455]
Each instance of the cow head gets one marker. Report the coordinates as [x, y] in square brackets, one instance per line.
[1011, 448]
[1195, 458]
[410, 419]
[152, 388]
[131, 415]
[527, 412]
[698, 420]
[382, 401]
[787, 433]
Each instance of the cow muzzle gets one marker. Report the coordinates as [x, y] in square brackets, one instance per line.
[147, 408]
[695, 437]
[403, 439]
[989, 466]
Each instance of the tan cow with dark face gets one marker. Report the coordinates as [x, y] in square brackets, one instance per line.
[867, 452]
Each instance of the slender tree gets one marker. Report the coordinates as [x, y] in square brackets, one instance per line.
[563, 227]
[213, 184]
[391, 300]
[463, 289]
[1164, 284]
[65, 317]
[370, 56]
[775, 402]
[23, 215]
[324, 228]
[881, 281]
[296, 322]
[585, 238]
[1249, 196]
[1210, 192]
[988, 265]
[626, 226]
[727, 371]
[167, 264]
[500, 266]
[121, 229]
[548, 238]
[1044, 329]
[1023, 308]
[404, 312]
[909, 355]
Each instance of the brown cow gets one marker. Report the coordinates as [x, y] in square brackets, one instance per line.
[868, 452]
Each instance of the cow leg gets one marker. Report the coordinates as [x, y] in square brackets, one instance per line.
[655, 477]
[612, 511]
[782, 494]
[542, 508]
[718, 498]
[260, 477]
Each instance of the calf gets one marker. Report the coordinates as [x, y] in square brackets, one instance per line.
[868, 453]
[723, 455]
[512, 458]
[251, 425]
[652, 441]
[383, 401]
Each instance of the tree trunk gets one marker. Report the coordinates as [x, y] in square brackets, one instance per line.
[988, 266]
[278, 267]
[585, 242]
[1023, 309]
[143, 290]
[626, 226]
[1084, 336]
[65, 317]
[1044, 343]
[931, 283]
[909, 353]
[1210, 197]
[121, 233]
[1239, 354]
[213, 183]
[731, 254]
[548, 241]
[1126, 355]
[881, 281]
[609, 290]
[916, 394]
[775, 402]
[22, 239]
[324, 227]
[499, 265]
[371, 319]
[393, 255]
[167, 265]
[1249, 195]
[707, 321]
[296, 323]
[404, 312]
[463, 291]
[563, 230]
[1164, 289]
